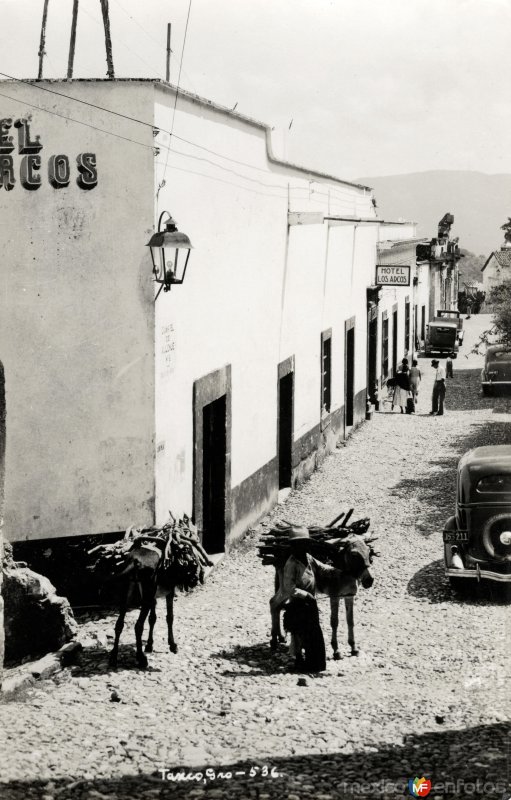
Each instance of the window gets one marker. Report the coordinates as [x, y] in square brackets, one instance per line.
[385, 348]
[495, 484]
[326, 371]
[407, 325]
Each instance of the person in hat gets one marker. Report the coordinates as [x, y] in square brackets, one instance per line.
[301, 617]
[438, 397]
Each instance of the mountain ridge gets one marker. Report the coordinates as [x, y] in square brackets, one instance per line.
[480, 203]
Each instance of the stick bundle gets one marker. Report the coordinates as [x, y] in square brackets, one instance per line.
[181, 558]
[325, 543]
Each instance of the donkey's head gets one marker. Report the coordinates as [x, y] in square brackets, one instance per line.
[357, 556]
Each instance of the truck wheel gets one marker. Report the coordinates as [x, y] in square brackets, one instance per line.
[486, 391]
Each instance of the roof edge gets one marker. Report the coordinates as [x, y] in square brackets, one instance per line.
[166, 86]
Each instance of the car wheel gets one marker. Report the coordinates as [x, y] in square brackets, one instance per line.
[486, 391]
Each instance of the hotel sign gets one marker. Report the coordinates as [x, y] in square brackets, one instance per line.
[30, 165]
[393, 276]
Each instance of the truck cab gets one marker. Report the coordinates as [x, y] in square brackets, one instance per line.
[445, 313]
[442, 337]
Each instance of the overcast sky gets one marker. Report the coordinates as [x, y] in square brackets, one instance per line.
[374, 87]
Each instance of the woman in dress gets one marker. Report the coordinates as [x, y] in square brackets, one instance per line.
[415, 380]
[402, 388]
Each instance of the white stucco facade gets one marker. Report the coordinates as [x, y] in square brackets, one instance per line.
[108, 392]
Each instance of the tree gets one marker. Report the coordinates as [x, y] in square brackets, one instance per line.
[500, 332]
[507, 230]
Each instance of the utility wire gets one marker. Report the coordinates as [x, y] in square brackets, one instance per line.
[150, 36]
[162, 182]
[142, 144]
[33, 85]
[137, 23]
[100, 24]
[78, 121]
[169, 150]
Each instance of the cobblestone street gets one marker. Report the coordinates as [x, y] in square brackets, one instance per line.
[428, 693]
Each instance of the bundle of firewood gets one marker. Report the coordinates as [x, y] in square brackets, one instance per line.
[325, 543]
[180, 559]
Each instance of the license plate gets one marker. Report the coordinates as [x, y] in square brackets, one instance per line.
[455, 536]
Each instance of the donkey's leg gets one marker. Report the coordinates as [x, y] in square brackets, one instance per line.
[349, 602]
[334, 624]
[152, 621]
[170, 620]
[147, 594]
[281, 636]
[275, 609]
[276, 634]
[119, 625]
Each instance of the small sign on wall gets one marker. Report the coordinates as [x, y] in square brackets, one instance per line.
[393, 276]
[168, 349]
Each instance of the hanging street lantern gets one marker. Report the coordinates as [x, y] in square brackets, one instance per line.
[169, 266]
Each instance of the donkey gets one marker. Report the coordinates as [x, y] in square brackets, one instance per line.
[156, 561]
[351, 558]
[144, 569]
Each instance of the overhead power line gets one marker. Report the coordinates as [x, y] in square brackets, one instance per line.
[162, 182]
[169, 148]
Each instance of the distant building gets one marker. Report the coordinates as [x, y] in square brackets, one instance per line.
[497, 269]
[442, 254]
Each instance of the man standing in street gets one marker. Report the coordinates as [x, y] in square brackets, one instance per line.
[438, 397]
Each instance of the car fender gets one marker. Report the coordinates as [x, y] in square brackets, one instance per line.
[450, 525]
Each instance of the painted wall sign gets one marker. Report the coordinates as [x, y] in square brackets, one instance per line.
[168, 349]
[393, 276]
[59, 170]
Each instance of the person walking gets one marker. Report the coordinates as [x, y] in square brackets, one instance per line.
[438, 397]
[402, 387]
[415, 380]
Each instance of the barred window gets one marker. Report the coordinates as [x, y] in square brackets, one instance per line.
[385, 348]
[326, 372]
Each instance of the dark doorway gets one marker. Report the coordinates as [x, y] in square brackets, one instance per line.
[213, 475]
[372, 355]
[350, 377]
[285, 432]
[394, 342]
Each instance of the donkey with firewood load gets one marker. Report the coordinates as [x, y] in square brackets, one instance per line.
[156, 561]
[349, 554]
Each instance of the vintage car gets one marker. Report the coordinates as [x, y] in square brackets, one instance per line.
[477, 539]
[441, 337]
[444, 313]
[497, 368]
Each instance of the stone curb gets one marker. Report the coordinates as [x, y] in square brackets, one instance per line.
[43, 668]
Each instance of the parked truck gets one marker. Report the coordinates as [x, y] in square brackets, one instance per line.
[442, 337]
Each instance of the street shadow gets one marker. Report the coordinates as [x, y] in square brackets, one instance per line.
[429, 583]
[94, 661]
[464, 393]
[459, 763]
[257, 657]
[435, 486]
